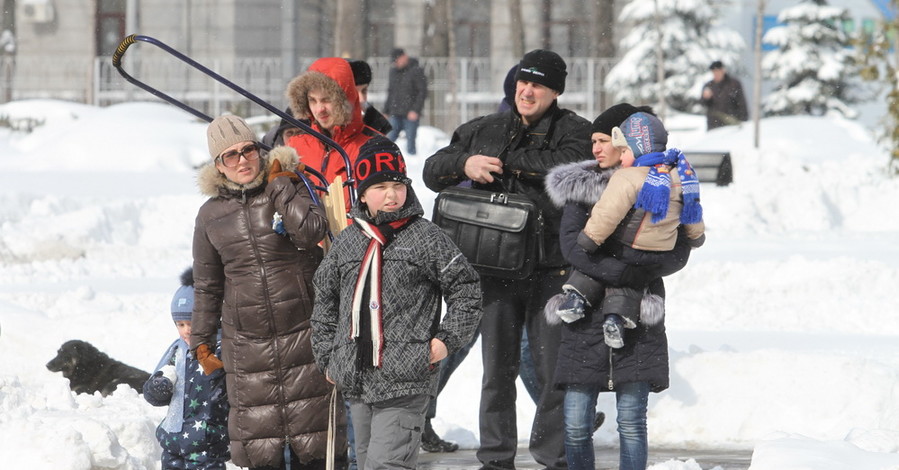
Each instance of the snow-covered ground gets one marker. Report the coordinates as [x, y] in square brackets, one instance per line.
[782, 328]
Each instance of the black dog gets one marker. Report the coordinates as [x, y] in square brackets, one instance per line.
[90, 370]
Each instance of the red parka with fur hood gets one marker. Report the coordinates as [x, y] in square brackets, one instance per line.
[257, 284]
[334, 76]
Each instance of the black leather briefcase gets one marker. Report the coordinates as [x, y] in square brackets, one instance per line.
[500, 234]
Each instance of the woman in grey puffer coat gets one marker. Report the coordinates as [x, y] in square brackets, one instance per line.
[255, 251]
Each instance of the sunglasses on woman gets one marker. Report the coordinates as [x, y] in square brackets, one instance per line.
[230, 159]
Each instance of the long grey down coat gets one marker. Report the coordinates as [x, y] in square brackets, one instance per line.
[257, 284]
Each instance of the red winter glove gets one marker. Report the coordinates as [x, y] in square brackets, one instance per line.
[208, 360]
[276, 171]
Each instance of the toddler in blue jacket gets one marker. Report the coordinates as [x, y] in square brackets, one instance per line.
[194, 433]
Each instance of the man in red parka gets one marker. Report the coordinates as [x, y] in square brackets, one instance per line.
[326, 95]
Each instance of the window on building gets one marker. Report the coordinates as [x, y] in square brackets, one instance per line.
[568, 28]
[472, 18]
[110, 25]
[381, 16]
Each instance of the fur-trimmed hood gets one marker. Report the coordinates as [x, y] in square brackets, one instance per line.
[335, 77]
[212, 182]
[581, 182]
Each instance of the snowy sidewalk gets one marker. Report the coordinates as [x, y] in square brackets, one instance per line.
[606, 459]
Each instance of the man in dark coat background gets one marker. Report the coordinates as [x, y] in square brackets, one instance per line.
[512, 151]
[723, 98]
[407, 89]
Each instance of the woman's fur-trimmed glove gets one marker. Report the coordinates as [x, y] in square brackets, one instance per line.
[276, 171]
[208, 360]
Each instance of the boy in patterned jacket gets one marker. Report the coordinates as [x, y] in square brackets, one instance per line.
[377, 331]
[194, 433]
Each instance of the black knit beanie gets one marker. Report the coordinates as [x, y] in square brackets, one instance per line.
[544, 67]
[379, 160]
[361, 71]
[612, 117]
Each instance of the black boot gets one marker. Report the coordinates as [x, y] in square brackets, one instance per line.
[431, 442]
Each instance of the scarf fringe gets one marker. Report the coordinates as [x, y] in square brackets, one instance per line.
[655, 194]
[370, 270]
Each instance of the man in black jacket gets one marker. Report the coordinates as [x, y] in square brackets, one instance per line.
[512, 151]
[723, 98]
[407, 89]
[371, 117]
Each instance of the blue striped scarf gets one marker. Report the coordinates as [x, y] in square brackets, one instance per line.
[656, 190]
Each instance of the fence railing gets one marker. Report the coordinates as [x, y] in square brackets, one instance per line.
[471, 89]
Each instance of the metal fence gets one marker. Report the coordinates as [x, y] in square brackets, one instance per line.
[457, 92]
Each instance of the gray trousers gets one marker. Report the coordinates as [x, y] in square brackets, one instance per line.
[388, 433]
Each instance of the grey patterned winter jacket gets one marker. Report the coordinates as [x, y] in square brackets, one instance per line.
[420, 265]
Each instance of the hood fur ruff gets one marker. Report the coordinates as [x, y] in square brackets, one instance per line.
[211, 181]
[299, 87]
[652, 309]
[580, 182]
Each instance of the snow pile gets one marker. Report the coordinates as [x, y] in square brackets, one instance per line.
[782, 328]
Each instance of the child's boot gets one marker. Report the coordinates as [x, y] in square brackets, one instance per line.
[613, 331]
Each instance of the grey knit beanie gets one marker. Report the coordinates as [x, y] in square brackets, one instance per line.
[226, 131]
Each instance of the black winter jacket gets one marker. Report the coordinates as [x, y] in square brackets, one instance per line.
[407, 89]
[583, 355]
[727, 106]
[528, 153]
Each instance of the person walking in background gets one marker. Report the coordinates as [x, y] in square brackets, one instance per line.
[407, 89]
[586, 365]
[512, 151]
[723, 98]
[386, 358]
[255, 250]
[192, 397]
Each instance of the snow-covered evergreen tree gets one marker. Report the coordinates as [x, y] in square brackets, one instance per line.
[879, 65]
[691, 39]
[813, 63]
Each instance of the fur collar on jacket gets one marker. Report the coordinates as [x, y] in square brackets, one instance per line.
[212, 182]
[579, 182]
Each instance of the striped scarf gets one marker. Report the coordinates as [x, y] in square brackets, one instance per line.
[370, 271]
[656, 190]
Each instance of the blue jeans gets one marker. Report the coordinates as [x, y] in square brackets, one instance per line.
[400, 123]
[528, 371]
[580, 410]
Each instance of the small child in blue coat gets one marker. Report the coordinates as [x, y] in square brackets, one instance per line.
[194, 433]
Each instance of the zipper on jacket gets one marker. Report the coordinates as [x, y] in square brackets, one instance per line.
[268, 308]
[611, 371]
